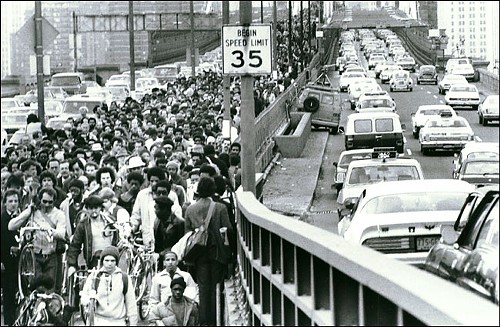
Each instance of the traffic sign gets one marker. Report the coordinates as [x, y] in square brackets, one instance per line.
[246, 49]
[26, 33]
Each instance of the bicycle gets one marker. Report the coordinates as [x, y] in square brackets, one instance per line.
[75, 285]
[33, 311]
[145, 267]
[26, 265]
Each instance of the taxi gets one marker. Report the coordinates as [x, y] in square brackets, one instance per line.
[384, 165]
[343, 162]
[404, 219]
[445, 133]
[426, 112]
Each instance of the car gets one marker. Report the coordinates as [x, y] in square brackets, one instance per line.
[427, 111]
[57, 123]
[445, 133]
[72, 104]
[144, 85]
[467, 254]
[359, 86]
[463, 95]
[386, 73]
[375, 60]
[466, 70]
[403, 219]
[455, 61]
[378, 68]
[449, 80]
[17, 137]
[475, 150]
[374, 129]
[119, 92]
[118, 79]
[376, 101]
[354, 69]
[407, 63]
[385, 165]
[401, 80]
[347, 78]
[339, 62]
[343, 162]
[427, 74]
[14, 121]
[8, 103]
[479, 171]
[488, 109]
[71, 82]
[323, 102]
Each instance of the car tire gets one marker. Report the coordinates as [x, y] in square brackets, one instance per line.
[311, 104]
[334, 130]
[391, 89]
[485, 122]
[418, 82]
[424, 151]
[411, 89]
[481, 119]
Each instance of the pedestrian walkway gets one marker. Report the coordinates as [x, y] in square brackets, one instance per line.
[289, 188]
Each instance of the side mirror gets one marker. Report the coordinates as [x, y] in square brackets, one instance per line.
[449, 235]
[335, 164]
[341, 130]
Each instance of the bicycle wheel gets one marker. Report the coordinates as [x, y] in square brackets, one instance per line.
[24, 312]
[137, 275]
[26, 271]
[125, 260]
[144, 307]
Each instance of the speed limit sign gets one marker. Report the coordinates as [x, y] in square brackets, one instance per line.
[246, 49]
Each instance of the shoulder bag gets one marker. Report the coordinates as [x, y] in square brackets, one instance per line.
[196, 244]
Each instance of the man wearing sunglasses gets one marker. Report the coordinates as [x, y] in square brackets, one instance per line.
[52, 223]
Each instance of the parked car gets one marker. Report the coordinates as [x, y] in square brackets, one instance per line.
[475, 150]
[463, 95]
[445, 133]
[323, 102]
[467, 254]
[488, 110]
[427, 111]
[403, 219]
[427, 74]
[449, 80]
[401, 80]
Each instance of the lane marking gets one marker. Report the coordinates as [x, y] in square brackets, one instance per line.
[428, 92]
[408, 151]
[478, 139]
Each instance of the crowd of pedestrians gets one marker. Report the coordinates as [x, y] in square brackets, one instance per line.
[150, 167]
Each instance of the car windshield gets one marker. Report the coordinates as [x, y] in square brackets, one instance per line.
[483, 155]
[399, 75]
[376, 103]
[492, 100]
[447, 123]
[435, 112]
[415, 202]
[375, 174]
[71, 107]
[481, 168]
[65, 80]
[347, 158]
[460, 88]
[424, 69]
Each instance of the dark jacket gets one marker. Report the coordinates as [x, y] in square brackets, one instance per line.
[8, 239]
[83, 235]
[167, 232]
[164, 312]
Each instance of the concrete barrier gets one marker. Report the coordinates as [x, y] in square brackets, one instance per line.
[291, 146]
[488, 79]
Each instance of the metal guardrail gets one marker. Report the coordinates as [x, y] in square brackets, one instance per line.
[293, 273]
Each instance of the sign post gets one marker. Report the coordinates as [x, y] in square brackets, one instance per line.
[247, 50]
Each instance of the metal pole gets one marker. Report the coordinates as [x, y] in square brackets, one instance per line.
[309, 23]
[262, 12]
[301, 45]
[290, 57]
[39, 60]
[275, 31]
[75, 49]
[321, 12]
[247, 115]
[191, 15]
[131, 41]
[226, 81]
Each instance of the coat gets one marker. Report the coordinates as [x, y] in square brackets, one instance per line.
[163, 311]
[195, 216]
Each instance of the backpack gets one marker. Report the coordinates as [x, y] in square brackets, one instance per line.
[124, 279]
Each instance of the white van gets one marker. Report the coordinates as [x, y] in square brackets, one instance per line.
[455, 61]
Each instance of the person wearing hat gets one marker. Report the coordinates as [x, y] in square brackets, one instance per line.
[177, 309]
[115, 212]
[89, 234]
[113, 307]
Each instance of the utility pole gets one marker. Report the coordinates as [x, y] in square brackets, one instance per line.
[290, 57]
[131, 42]
[247, 115]
[191, 15]
[39, 60]
[262, 12]
[275, 31]
[309, 23]
[301, 46]
[75, 49]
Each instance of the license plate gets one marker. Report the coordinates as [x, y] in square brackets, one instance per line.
[426, 243]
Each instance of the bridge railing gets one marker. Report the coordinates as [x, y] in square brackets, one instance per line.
[293, 273]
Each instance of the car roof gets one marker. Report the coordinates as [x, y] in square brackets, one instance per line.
[471, 147]
[384, 162]
[435, 106]
[361, 115]
[416, 186]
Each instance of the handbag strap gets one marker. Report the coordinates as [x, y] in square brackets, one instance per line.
[209, 214]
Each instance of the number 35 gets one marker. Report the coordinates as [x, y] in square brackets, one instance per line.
[253, 57]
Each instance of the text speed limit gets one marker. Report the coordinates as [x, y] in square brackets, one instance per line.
[247, 49]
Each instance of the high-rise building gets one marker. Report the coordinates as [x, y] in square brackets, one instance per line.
[13, 16]
[472, 28]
